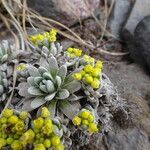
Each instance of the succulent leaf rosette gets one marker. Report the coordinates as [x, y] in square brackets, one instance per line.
[48, 84]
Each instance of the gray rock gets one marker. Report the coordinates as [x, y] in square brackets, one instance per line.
[140, 10]
[129, 78]
[65, 11]
[130, 139]
[142, 39]
[119, 15]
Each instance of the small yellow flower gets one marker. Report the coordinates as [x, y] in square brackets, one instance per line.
[27, 137]
[76, 120]
[7, 113]
[91, 118]
[95, 72]
[95, 84]
[85, 122]
[40, 37]
[84, 114]
[38, 123]
[16, 145]
[77, 52]
[21, 67]
[55, 140]
[33, 39]
[45, 112]
[3, 120]
[82, 72]
[59, 147]
[13, 119]
[88, 68]
[72, 55]
[23, 115]
[47, 143]
[9, 140]
[2, 142]
[47, 129]
[93, 128]
[19, 126]
[91, 60]
[70, 50]
[77, 76]
[88, 79]
[46, 34]
[39, 147]
[99, 64]
[86, 58]
[52, 35]
[48, 121]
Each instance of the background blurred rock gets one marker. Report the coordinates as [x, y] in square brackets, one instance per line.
[65, 11]
[135, 38]
[119, 15]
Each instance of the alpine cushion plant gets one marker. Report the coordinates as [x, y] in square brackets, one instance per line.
[66, 92]
[47, 84]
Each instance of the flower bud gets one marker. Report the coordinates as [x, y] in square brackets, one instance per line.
[3, 120]
[19, 126]
[95, 84]
[88, 68]
[45, 112]
[84, 114]
[2, 142]
[23, 115]
[91, 118]
[55, 140]
[76, 120]
[16, 145]
[38, 123]
[85, 122]
[39, 147]
[47, 143]
[7, 113]
[59, 147]
[77, 76]
[89, 79]
[93, 128]
[9, 140]
[13, 119]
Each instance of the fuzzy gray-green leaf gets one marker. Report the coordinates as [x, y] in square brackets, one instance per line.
[33, 71]
[69, 109]
[59, 81]
[63, 94]
[34, 91]
[1, 89]
[50, 96]
[73, 86]
[52, 107]
[37, 102]
[50, 86]
[62, 72]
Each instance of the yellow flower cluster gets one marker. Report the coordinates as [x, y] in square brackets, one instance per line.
[11, 128]
[42, 133]
[90, 75]
[74, 52]
[48, 36]
[86, 120]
